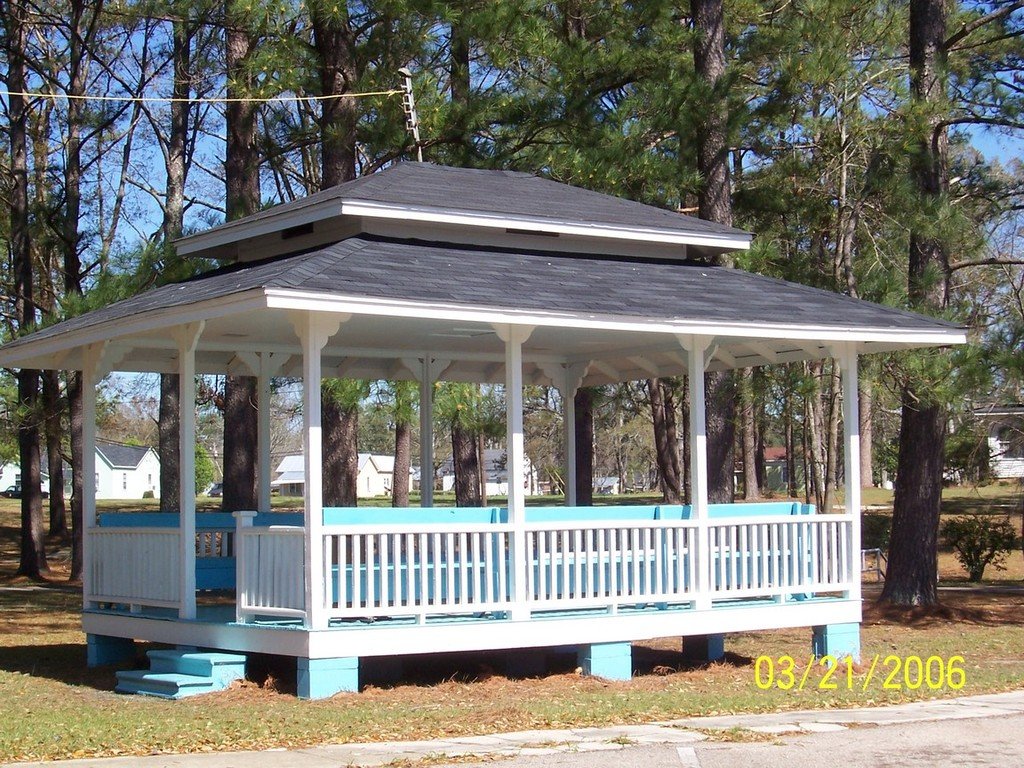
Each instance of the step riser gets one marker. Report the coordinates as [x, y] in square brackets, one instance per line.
[177, 674]
[221, 672]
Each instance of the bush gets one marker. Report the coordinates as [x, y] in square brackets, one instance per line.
[875, 528]
[148, 494]
[979, 541]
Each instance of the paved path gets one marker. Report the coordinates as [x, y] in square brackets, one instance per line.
[925, 728]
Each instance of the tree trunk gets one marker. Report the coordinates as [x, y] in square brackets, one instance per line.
[721, 435]
[866, 403]
[241, 421]
[54, 454]
[832, 441]
[334, 44]
[242, 180]
[815, 440]
[583, 405]
[791, 486]
[687, 458]
[340, 451]
[33, 554]
[911, 578]
[173, 225]
[467, 486]
[714, 203]
[481, 469]
[666, 438]
[170, 456]
[403, 459]
[751, 485]
[459, 90]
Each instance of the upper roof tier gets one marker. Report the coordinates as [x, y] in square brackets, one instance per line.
[443, 200]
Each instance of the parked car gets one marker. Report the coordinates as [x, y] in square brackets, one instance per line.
[216, 490]
[14, 492]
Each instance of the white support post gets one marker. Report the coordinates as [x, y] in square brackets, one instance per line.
[263, 438]
[313, 331]
[568, 377]
[427, 432]
[847, 357]
[569, 428]
[696, 347]
[188, 338]
[90, 379]
[514, 336]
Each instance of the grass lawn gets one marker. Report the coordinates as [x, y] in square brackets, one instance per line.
[52, 707]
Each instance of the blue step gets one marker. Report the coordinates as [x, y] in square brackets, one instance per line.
[164, 685]
[220, 667]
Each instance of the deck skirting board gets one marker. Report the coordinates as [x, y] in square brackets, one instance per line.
[397, 640]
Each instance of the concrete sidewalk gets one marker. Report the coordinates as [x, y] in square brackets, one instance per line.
[525, 743]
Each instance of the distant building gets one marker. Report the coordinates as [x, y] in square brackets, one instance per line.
[1005, 440]
[496, 471]
[376, 476]
[122, 472]
[126, 471]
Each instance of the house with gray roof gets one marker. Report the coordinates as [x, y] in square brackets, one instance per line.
[427, 273]
[126, 471]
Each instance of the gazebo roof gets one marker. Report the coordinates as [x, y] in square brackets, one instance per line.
[471, 198]
[445, 298]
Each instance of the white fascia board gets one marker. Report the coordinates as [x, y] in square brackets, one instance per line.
[361, 305]
[145, 322]
[270, 224]
[375, 210]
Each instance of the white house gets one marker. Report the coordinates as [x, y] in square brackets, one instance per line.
[122, 472]
[10, 476]
[376, 476]
[1005, 440]
[496, 468]
[126, 471]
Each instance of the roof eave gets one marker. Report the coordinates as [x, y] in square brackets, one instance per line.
[235, 232]
[892, 337]
[737, 240]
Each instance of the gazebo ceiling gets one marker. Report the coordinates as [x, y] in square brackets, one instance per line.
[617, 318]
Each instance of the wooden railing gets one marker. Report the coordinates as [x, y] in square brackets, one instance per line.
[416, 570]
[408, 563]
[134, 566]
[611, 564]
[270, 570]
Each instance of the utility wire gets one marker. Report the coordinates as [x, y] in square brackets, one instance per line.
[210, 100]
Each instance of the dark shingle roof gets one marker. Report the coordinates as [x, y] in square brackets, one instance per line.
[480, 277]
[121, 456]
[501, 193]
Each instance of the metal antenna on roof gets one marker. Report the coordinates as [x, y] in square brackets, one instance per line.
[412, 120]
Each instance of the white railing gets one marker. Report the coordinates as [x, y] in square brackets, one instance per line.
[429, 569]
[619, 563]
[785, 558]
[270, 580]
[416, 570]
[135, 566]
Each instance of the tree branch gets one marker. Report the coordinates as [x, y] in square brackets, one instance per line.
[993, 261]
[981, 21]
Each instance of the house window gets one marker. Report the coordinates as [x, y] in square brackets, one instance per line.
[97, 480]
[149, 479]
[124, 481]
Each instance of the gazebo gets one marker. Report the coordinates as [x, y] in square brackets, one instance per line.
[432, 273]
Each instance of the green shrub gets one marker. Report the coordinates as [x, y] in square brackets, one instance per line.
[875, 528]
[148, 494]
[979, 541]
